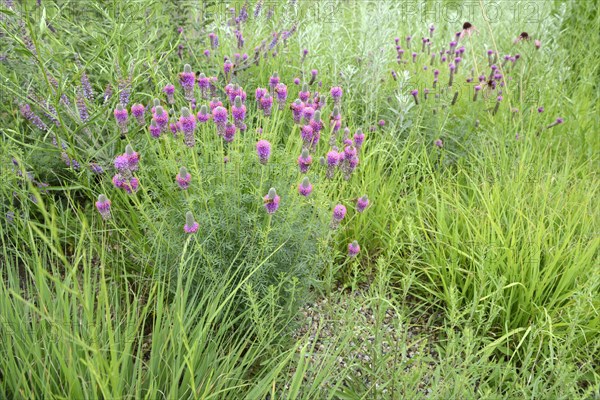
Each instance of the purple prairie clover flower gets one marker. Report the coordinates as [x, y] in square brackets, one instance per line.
[362, 203]
[438, 143]
[296, 81]
[558, 121]
[103, 206]
[537, 43]
[204, 85]
[359, 139]
[238, 110]
[498, 100]
[187, 124]
[274, 81]
[307, 134]
[88, 92]
[118, 181]
[304, 161]
[259, 93]
[415, 94]
[121, 117]
[408, 39]
[138, 110]
[339, 212]
[229, 134]
[174, 127]
[191, 226]
[313, 76]
[353, 249]
[214, 40]
[336, 95]
[297, 107]
[425, 93]
[154, 129]
[263, 149]
[307, 113]
[187, 79]
[133, 158]
[304, 94]
[477, 89]
[183, 178]
[169, 91]
[203, 115]
[540, 110]
[227, 67]
[316, 123]
[271, 201]
[266, 103]
[333, 159]
[215, 103]
[161, 117]
[414, 57]
[220, 119]
[121, 163]
[281, 91]
[131, 186]
[305, 188]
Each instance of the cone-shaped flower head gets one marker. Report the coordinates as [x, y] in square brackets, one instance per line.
[362, 203]
[183, 178]
[304, 161]
[103, 206]
[339, 212]
[263, 149]
[305, 187]
[353, 249]
[271, 201]
[191, 226]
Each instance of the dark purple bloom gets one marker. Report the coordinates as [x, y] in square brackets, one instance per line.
[220, 119]
[540, 110]
[415, 94]
[281, 91]
[121, 117]
[266, 104]
[203, 114]
[263, 149]
[187, 124]
[359, 138]
[229, 134]
[154, 129]
[438, 143]
[336, 94]
[138, 110]
[271, 201]
[297, 107]
[26, 112]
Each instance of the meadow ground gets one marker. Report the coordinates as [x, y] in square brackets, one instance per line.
[329, 199]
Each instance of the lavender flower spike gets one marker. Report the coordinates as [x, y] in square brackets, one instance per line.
[339, 212]
[362, 203]
[187, 123]
[191, 226]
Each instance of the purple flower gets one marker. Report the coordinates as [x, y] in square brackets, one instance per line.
[308, 112]
[336, 95]
[359, 138]
[307, 134]
[281, 91]
[296, 81]
[191, 226]
[187, 79]
[183, 178]
[304, 161]
[95, 168]
[174, 127]
[227, 67]
[297, 107]
[121, 117]
[121, 163]
[169, 91]
[271, 201]
[540, 110]
[263, 149]
[362, 203]
[304, 94]
[203, 114]
[103, 206]
[138, 110]
[215, 103]
[229, 134]
[26, 112]
[438, 143]
[266, 103]
[238, 110]
[339, 212]
[81, 106]
[305, 188]
[161, 118]
[353, 249]
[154, 129]
[220, 119]
[273, 81]
[133, 158]
[313, 76]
